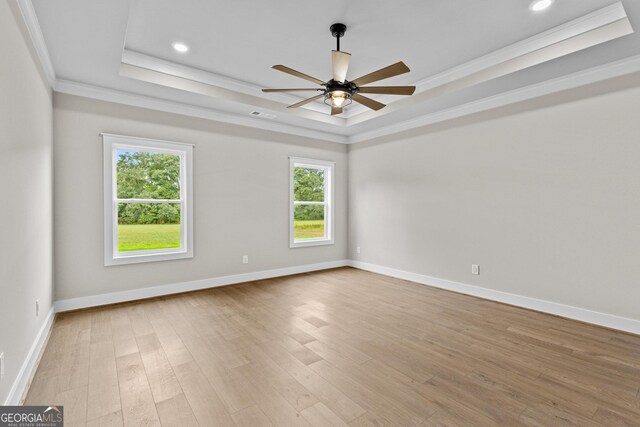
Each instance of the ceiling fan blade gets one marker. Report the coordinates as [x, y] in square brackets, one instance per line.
[340, 62]
[306, 101]
[383, 73]
[297, 74]
[335, 110]
[367, 102]
[290, 90]
[388, 90]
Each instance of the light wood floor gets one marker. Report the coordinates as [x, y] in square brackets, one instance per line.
[334, 348]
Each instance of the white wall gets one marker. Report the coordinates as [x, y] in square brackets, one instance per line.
[241, 185]
[26, 177]
[544, 196]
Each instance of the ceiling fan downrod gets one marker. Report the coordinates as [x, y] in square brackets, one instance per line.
[337, 31]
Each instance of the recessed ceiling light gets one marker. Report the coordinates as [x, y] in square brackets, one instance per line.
[180, 47]
[540, 5]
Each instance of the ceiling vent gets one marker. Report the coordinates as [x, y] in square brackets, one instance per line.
[263, 115]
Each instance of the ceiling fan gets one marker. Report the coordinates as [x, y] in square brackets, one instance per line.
[340, 92]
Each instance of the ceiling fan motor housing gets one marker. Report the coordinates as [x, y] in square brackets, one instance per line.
[348, 87]
[338, 30]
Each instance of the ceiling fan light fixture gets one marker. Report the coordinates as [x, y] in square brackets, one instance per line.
[540, 5]
[337, 98]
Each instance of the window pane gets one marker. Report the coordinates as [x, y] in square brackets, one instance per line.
[143, 226]
[147, 175]
[308, 222]
[308, 184]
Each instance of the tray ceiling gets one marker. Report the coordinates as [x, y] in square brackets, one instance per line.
[124, 47]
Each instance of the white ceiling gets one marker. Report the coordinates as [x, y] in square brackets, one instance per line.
[243, 39]
[238, 41]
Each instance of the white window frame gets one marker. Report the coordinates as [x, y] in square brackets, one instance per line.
[112, 143]
[329, 168]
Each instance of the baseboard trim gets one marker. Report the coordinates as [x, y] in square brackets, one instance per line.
[174, 288]
[570, 312]
[588, 316]
[21, 384]
[27, 370]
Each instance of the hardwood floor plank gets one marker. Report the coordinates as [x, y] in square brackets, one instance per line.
[270, 376]
[319, 415]
[125, 346]
[278, 409]
[372, 420]
[616, 417]
[251, 417]
[138, 407]
[328, 345]
[113, 419]
[75, 405]
[373, 401]
[74, 361]
[100, 326]
[229, 384]
[203, 399]
[546, 415]
[162, 380]
[139, 321]
[500, 408]
[103, 389]
[176, 411]
[175, 350]
[321, 389]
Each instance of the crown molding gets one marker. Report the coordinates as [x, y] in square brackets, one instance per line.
[602, 18]
[143, 101]
[149, 62]
[37, 39]
[589, 30]
[166, 73]
[591, 21]
[571, 81]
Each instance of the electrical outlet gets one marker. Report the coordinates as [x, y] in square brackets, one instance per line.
[475, 269]
[245, 259]
[358, 249]
[37, 307]
[1, 366]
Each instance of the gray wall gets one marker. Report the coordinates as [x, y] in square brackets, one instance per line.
[544, 196]
[241, 198]
[25, 174]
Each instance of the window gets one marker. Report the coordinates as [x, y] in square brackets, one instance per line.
[148, 202]
[311, 204]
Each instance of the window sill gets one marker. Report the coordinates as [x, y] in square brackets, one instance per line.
[147, 257]
[309, 243]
